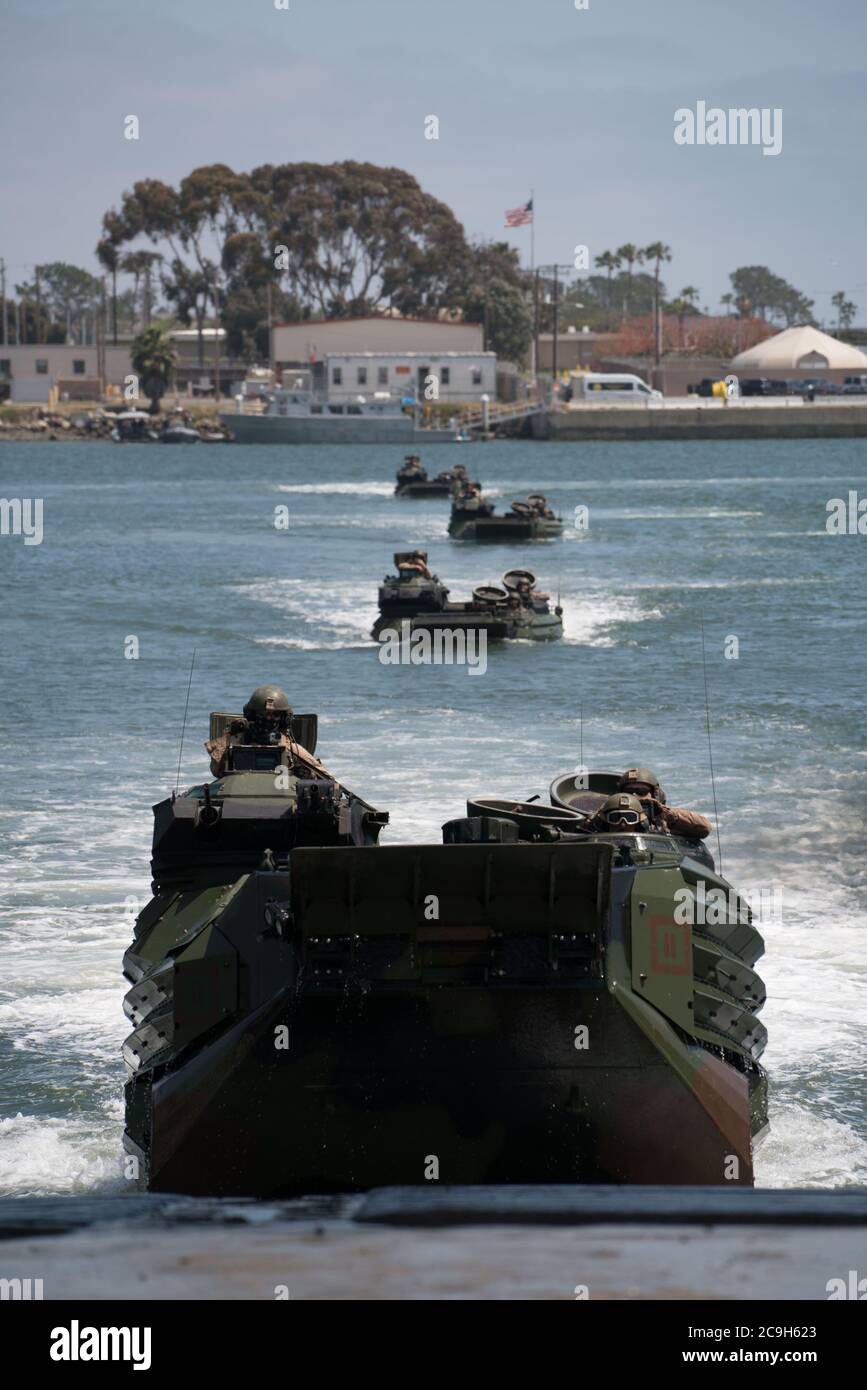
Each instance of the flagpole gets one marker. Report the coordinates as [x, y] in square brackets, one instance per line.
[533, 231]
[533, 281]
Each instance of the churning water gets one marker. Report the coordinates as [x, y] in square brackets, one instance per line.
[178, 548]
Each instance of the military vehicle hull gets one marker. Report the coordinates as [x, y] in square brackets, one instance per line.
[472, 1012]
[505, 529]
[499, 625]
[430, 488]
[415, 603]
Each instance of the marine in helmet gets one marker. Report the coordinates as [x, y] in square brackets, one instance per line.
[620, 812]
[415, 566]
[267, 720]
[644, 784]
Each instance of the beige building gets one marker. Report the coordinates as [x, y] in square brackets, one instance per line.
[31, 370]
[574, 349]
[312, 340]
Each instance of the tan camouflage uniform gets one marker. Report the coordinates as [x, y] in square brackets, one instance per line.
[218, 748]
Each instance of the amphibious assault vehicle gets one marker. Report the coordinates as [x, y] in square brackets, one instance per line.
[522, 1003]
[473, 518]
[418, 598]
[413, 481]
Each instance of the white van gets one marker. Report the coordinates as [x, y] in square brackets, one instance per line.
[612, 386]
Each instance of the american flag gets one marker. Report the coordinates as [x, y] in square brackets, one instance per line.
[519, 217]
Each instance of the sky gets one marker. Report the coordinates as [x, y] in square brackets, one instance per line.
[576, 104]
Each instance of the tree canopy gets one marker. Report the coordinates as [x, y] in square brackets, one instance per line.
[316, 240]
[760, 293]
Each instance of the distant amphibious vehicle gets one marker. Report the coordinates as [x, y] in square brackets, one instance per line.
[413, 481]
[524, 1003]
[474, 518]
[416, 597]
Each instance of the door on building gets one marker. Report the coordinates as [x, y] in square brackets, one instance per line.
[423, 374]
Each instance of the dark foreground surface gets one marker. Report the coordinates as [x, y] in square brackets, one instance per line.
[545, 1243]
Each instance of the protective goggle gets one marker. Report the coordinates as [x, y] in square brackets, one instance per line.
[623, 818]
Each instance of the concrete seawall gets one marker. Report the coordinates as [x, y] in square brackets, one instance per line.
[705, 421]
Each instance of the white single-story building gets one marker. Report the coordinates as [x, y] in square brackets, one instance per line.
[427, 376]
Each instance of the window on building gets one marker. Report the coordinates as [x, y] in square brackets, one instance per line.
[382, 376]
[477, 376]
[42, 366]
[5, 366]
[336, 376]
[78, 366]
[362, 376]
[445, 376]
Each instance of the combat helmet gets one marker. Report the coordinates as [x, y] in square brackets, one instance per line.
[623, 812]
[268, 700]
[644, 775]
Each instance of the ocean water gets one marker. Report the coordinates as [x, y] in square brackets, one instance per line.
[177, 547]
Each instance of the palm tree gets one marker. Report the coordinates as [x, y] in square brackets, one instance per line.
[610, 262]
[628, 254]
[140, 264]
[153, 361]
[681, 307]
[657, 252]
[728, 300]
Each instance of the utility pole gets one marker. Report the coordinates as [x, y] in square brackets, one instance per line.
[556, 308]
[535, 326]
[38, 307]
[216, 346]
[658, 325]
[270, 328]
[100, 343]
[5, 308]
[555, 270]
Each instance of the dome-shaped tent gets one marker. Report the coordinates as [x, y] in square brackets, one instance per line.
[799, 349]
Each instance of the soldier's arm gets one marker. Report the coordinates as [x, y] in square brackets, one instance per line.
[689, 823]
[301, 754]
[217, 749]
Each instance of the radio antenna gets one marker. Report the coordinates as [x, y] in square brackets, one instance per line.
[709, 743]
[581, 734]
[184, 725]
